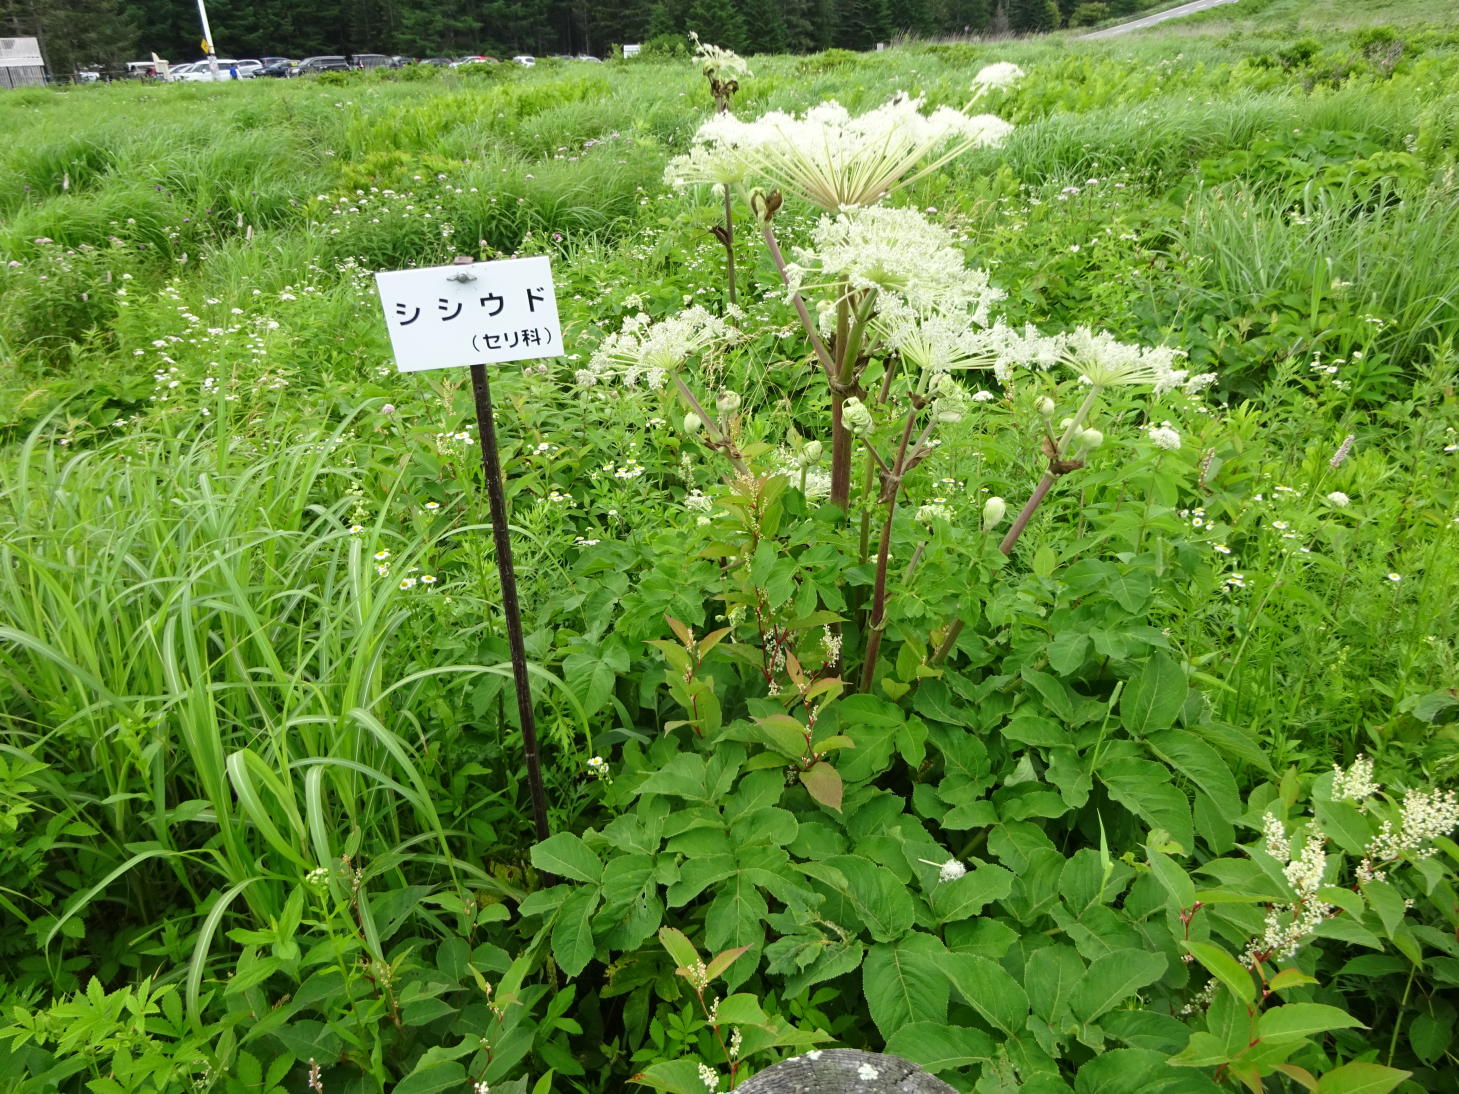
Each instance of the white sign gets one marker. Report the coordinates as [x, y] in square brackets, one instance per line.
[481, 314]
[631, 51]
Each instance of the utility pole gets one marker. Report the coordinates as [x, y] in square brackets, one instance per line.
[208, 42]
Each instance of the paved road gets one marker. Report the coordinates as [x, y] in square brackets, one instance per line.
[1158, 17]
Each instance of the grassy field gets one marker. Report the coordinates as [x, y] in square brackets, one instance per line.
[1097, 736]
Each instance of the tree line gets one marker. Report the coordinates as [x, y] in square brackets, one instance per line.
[76, 33]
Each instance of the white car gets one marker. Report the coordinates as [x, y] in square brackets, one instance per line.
[175, 73]
[526, 60]
[203, 70]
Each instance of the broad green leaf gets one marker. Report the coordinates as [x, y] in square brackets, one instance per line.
[723, 961]
[904, 982]
[1361, 1077]
[672, 1077]
[1114, 978]
[432, 1076]
[566, 855]
[865, 894]
[1226, 969]
[572, 934]
[936, 1047]
[1143, 787]
[970, 894]
[680, 949]
[823, 783]
[1290, 978]
[1154, 695]
[1387, 902]
[1429, 1037]
[1201, 764]
[1173, 879]
[1051, 976]
[740, 1010]
[990, 990]
[1294, 1021]
[736, 916]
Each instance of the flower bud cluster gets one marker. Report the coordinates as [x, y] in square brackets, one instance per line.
[856, 417]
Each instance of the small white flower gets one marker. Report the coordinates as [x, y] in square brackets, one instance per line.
[950, 870]
[1338, 498]
[1163, 436]
[1395, 577]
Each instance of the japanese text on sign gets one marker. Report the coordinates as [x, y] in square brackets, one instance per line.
[482, 313]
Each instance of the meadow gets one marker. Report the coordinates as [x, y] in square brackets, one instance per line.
[978, 681]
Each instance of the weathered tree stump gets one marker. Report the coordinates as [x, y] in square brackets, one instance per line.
[845, 1071]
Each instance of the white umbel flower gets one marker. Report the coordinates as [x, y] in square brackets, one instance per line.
[649, 351]
[898, 252]
[834, 160]
[1101, 360]
[1002, 74]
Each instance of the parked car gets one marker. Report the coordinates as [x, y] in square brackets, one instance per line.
[312, 66]
[277, 66]
[375, 60]
[474, 59]
[525, 59]
[175, 73]
[202, 72]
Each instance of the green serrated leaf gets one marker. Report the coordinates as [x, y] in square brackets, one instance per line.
[566, 855]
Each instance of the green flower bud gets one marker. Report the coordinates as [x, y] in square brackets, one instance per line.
[693, 423]
[1091, 439]
[994, 510]
[728, 402]
[1045, 406]
[811, 453]
[856, 418]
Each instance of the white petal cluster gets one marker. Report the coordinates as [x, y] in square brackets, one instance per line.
[1426, 815]
[1101, 360]
[1164, 436]
[716, 61]
[835, 160]
[1275, 835]
[1287, 926]
[713, 165]
[1002, 74]
[897, 252]
[648, 351]
[1356, 783]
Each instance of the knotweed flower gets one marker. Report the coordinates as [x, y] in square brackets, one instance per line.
[896, 252]
[649, 351]
[834, 160]
[1102, 361]
[1356, 782]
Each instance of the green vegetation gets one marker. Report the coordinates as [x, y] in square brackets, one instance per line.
[1043, 806]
